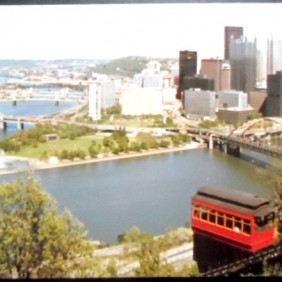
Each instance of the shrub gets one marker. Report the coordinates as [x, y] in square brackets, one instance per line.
[164, 143]
[63, 155]
[134, 146]
[146, 138]
[93, 151]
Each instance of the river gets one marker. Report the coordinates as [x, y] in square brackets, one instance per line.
[31, 109]
[150, 192]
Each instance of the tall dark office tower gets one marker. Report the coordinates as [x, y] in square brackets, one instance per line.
[187, 68]
[231, 31]
[243, 62]
[274, 95]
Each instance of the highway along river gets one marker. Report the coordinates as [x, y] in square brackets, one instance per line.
[151, 192]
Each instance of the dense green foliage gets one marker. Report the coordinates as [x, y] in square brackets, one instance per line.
[209, 124]
[276, 269]
[127, 66]
[150, 261]
[278, 200]
[150, 252]
[272, 270]
[134, 235]
[147, 139]
[120, 138]
[37, 241]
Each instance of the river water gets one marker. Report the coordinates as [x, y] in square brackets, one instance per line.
[31, 109]
[150, 192]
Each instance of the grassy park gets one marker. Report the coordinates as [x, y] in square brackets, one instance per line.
[79, 142]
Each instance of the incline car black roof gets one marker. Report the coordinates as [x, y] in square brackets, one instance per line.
[242, 199]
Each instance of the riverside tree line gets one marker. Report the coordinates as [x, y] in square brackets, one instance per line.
[117, 143]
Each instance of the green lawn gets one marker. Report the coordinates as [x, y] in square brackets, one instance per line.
[58, 145]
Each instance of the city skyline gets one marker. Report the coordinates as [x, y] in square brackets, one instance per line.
[118, 30]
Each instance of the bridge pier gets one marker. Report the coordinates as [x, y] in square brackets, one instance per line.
[210, 142]
[56, 99]
[20, 125]
[3, 125]
[233, 149]
[223, 146]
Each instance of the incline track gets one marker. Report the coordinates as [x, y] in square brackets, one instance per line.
[238, 266]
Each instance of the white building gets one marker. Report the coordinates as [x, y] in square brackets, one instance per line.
[154, 66]
[232, 98]
[95, 100]
[108, 97]
[141, 101]
[149, 77]
[168, 95]
[174, 70]
[108, 88]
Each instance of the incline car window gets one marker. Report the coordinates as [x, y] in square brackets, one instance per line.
[223, 220]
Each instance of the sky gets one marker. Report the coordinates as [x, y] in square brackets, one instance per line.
[116, 30]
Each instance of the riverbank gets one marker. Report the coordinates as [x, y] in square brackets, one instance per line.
[33, 164]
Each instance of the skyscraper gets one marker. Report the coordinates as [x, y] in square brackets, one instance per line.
[274, 56]
[243, 61]
[229, 32]
[274, 95]
[187, 68]
[219, 71]
[261, 67]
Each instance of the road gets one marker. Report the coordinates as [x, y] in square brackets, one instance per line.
[177, 256]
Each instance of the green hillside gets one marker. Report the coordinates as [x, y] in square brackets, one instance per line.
[128, 66]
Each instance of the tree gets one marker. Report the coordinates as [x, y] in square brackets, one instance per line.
[119, 136]
[37, 241]
[169, 122]
[275, 269]
[150, 262]
[278, 200]
[93, 151]
[64, 154]
[164, 143]
[134, 234]
[147, 138]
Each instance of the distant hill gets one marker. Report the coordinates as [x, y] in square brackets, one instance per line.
[128, 66]
[61, 62]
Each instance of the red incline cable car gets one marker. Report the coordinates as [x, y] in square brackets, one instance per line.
[239, 219]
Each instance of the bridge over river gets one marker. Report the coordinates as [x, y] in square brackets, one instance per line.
[253, 135]
[64, 94]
